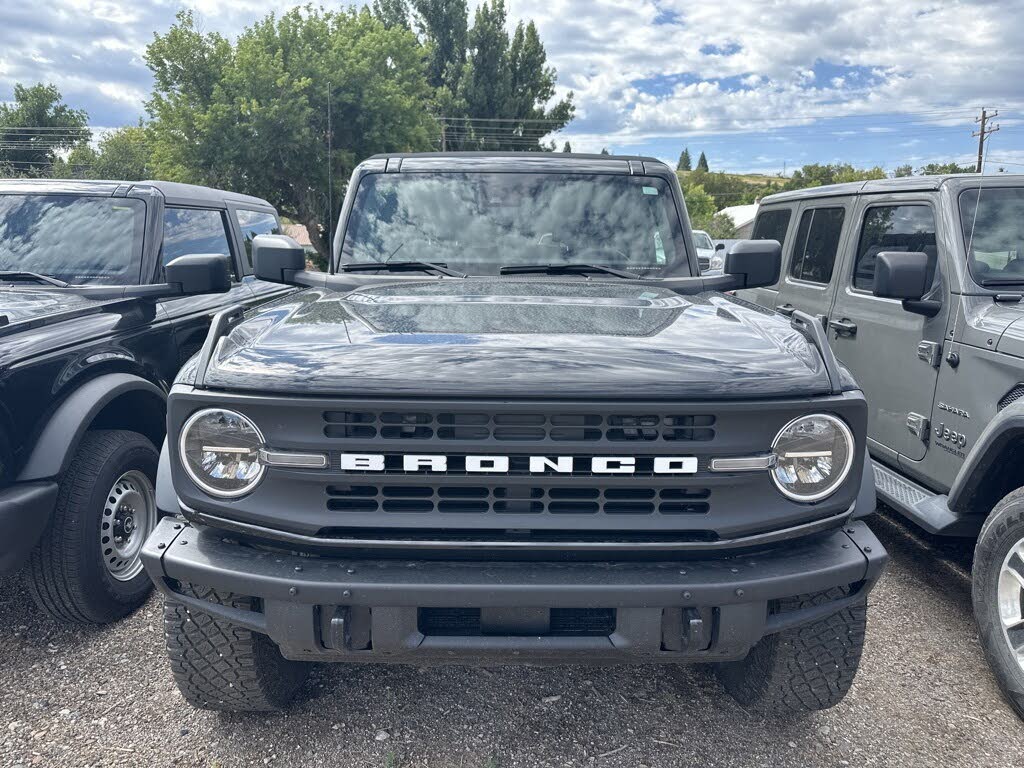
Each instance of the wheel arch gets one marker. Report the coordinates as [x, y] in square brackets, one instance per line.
[109, 401]
[992, 469]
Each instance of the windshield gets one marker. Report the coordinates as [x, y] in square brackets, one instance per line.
[702, 240]
[72, 238]
[993, 227]
[479, 222]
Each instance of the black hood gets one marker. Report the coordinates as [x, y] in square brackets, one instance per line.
[518, 338]
[41, 305]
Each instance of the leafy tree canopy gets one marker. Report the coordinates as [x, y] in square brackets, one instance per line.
[936, 169]
[818, 175]
[122, 155]
[252, 116]
[36, 127]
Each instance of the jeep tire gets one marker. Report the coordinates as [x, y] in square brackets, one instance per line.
[74, 573]
[803, 669]
[221, 666]
[998, 594]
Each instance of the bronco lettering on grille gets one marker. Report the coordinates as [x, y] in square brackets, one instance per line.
[566, 465]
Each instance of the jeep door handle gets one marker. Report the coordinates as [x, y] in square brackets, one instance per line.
[843, 327]
[786, 309]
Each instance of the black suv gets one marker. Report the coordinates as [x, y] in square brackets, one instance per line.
[102, 297]
[515, 425]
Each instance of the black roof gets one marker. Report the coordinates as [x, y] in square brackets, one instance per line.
[901, 184]
[173, 192]
[538, 161]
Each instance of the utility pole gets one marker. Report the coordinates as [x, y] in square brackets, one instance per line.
[444, 143]
[983, 133]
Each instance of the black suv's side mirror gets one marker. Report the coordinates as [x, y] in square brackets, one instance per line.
[754, 263]
[276, 258]
[199, 273]
[905, 275]
[719, 246]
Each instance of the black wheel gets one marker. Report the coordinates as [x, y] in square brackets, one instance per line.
[87, 567]
[998, 593]
[803, 669]
[221, 666]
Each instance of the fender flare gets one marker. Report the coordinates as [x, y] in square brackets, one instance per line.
[59, 439]
[1001, 432]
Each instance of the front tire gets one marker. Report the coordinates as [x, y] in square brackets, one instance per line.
[218, 665]
[86, 568]
[803, 669]
[998, 595]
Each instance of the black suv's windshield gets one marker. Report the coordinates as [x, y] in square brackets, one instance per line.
[479, 222]
[77, 239]
[993, 227]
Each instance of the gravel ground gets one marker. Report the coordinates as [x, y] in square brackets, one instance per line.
[924, 697]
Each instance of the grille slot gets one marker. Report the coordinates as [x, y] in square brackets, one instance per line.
[561, 622]
[484, 499]
[518, 427]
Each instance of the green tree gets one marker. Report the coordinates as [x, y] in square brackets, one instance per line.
[444, 25]
[903, 170]
[567, 147]
[392, 13]
[817, 175]
[699, 204]
[604, 151]
[684, 164]
[937, 169]
[252, 115]
[721, 227]
[123, 155]
[702, 163]
[36, 127]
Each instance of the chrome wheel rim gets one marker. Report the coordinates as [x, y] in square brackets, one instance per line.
[129, 516]
[1011, 601]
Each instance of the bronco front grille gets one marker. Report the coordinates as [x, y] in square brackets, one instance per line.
[506, 427]
[516, 500]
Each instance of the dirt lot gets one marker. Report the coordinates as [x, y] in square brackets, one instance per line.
[924, 697]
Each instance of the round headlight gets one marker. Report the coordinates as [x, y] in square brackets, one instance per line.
[220, 451]
[717, 262]
[813, 457]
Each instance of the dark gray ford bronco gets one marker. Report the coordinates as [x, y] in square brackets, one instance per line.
[920, 282]
[106, 288]
[515, 425]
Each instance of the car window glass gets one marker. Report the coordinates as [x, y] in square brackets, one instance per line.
[253, 223]
[772, 225]
[193, 230]
[993, 234]
[817, 240]
[892, 228]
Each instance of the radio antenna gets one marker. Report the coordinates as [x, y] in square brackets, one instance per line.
[330, 187]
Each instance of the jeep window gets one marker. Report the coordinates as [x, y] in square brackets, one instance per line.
[253, 223]
[993, 227]
[194, 230]
[77, 239]
[817, 240]
[479, 222]
[772, 225]
[892, 228]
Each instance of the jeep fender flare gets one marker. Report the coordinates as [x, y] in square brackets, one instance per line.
[59, 438]
[1006, 429]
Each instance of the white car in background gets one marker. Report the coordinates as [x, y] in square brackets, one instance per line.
[708, 256]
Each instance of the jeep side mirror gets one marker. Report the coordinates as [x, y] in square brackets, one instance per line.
[906, 276]
[276, 258]
[719, 246]
[199, 273]
[754, 263]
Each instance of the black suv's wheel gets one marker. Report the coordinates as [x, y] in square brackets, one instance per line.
[803, 669]
[998, 592]
[221, 666]
[86, 567]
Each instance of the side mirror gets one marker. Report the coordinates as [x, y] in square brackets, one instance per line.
[276, 258]
[719, 246]
[754, 263]
[199, 273]
[906, 276]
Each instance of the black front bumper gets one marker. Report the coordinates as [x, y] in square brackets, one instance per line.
[25, 509]
[348, 609]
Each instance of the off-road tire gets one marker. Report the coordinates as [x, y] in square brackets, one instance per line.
[1003, 529]
[65, 573]
[221, 666]
[804, 669]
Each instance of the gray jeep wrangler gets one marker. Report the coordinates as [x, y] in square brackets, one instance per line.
[919, 282]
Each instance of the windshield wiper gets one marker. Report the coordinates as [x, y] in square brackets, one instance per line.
[22, 275]
[401, 266]
[562, 269]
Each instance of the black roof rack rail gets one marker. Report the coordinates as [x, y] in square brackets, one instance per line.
[814, 331]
